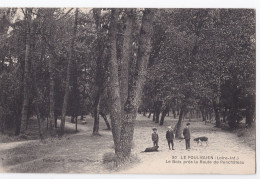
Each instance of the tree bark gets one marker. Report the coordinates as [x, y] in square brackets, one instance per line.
[179, 123]
[67, 86]
[51, 68]
[150, 112]
[100, 69]
[96, 114]
[52, 102]
[72, 119]
[123, 126]
[202, 114]
[115, 112]
[217, 116]
[154, 116]
[163, 116]
[126, 57]
[105, 119]
[158, 105]
[26, 71]
[134, 94]
[55, 121]
[76, 123]
[249, 116]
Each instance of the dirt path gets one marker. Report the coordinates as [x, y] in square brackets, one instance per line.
[82, 153]
[73, 153]
[221, 144]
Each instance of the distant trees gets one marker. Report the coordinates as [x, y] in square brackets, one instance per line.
[201, 51]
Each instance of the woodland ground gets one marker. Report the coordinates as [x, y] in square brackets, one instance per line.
[82, 153]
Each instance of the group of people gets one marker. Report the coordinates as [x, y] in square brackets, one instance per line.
[170, 137]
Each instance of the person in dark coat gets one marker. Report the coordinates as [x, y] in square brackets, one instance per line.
[186, 134]
[170, 137]
[155, 137]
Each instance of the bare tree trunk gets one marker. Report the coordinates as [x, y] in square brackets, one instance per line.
[134, 94]
[179, 123]
[203, 114]
[67, 89]
[150, 112]
[26, 71]
[51, 71]
[100, 69]
[52, 102]
[154, 116]
[163, 116]
[123, 130]
[158, 105]
[55, 121]
[115, 112]
[126, 57]
[174, 113]
[37, 100]
[72, 119]
[217, 117]
[96, 114]
[105, 119]
[76, 124]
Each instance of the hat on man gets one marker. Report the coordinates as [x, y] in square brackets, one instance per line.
[169, 127]
[154, 129]
[188, 124]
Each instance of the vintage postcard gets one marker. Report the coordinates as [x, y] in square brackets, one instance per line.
[128, 90]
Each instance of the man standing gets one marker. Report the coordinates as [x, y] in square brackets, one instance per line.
[170, 137]
[186, 134]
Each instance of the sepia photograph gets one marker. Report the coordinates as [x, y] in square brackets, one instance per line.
[127, 90]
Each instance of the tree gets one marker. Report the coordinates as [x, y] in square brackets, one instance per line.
[70, 63]
[123, 126]
[24, 119]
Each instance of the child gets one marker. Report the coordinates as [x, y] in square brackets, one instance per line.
[170, 137]
[155, 137]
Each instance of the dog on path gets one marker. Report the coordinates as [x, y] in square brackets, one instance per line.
[201, 140]
[152, 149]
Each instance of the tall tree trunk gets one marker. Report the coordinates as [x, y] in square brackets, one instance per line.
[72, 119]
[126, 57]
[52, 102]
[67, 86]
[217, 116]
[249, 115]
[134, 94]
[164, 112]
[105, 119]
[115, 112]
[55, 121]
[179, 123]
[100, 69]
[158, 105]
[174, 113]
[224, 114]
[47, 20]
[96, 114]
[26, 71]
[154, 116]
[203, 114]
[123, 130]
[39, 120]
[150, 112]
